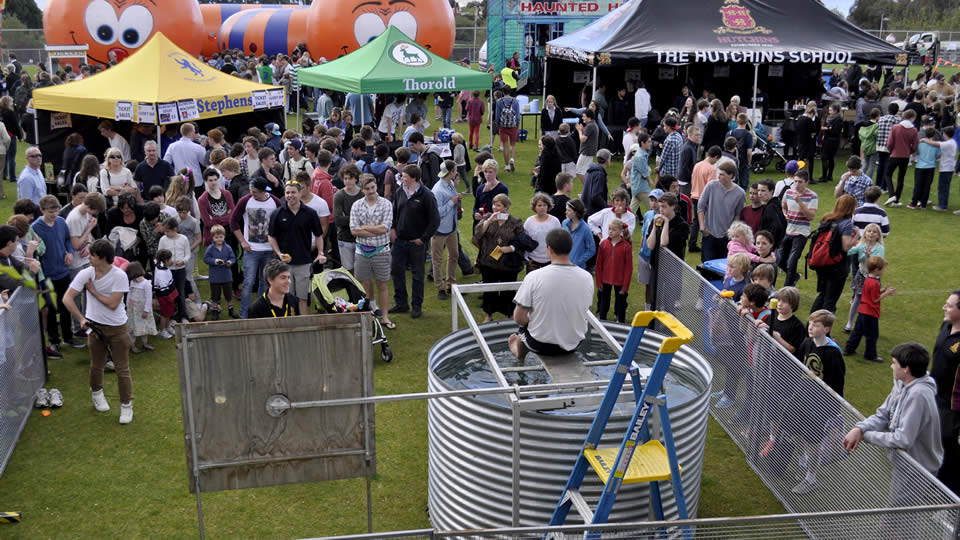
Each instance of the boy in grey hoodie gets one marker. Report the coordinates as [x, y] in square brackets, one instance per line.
[907, 420]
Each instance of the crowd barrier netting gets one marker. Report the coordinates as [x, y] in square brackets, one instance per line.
[22, 370]
[775, 396]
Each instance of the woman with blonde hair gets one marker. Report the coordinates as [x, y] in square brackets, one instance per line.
[495, 238]
[115, 177]
[181, 185]
[733, 109]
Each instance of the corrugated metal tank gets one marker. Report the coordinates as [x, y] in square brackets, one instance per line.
[470, 463]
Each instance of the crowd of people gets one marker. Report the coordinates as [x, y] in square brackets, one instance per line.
[267, 209]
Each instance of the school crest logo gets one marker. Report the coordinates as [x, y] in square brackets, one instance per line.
[408, 54]
[737, 20]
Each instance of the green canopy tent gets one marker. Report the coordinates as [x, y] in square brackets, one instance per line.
[393, 64]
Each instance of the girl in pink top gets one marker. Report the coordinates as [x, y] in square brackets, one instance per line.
[741, 241]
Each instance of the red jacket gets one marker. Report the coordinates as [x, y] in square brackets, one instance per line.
[903, 141]
[870, 297]
[615, 264]
[322, 186]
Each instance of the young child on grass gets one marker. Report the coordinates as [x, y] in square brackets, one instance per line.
[165, 291]
[190, 228]
[871, 244]
[741, 241]
[220, 258]
[140, 320]
[816, 421]
[789, 331]
[764, 275]
[868, 320]
[644, 270]
[753, 308]
[179, 247]
[614, 269]
[738, 265]
[568, 150]
[156, 194]
[459, 148]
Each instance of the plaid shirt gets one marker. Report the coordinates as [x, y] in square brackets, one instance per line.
[856, 186]
[670, 158]
[475, 110]
[381, 214]
[884, 125]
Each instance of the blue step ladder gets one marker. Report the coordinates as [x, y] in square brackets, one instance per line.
[638, 459]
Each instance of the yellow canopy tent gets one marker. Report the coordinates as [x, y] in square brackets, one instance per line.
[160, 74]
[159, 84]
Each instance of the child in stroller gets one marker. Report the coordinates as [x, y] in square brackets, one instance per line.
[337, 291]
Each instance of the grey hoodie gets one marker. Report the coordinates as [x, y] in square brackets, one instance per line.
[908, 420]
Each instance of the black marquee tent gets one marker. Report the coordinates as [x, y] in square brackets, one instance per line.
[720, 45]
[722, 31]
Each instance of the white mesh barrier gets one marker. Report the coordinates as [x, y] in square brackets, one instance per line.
[786, 421]
[22, 371]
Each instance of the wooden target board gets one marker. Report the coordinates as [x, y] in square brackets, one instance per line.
[230, 370]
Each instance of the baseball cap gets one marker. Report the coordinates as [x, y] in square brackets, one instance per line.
[261, 184]
[273, 128]
[444, 171]
[792, 167]
[656, 194]
[296, 144]
[634, 148]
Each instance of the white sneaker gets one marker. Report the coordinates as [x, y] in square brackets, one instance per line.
[956, 212]
[890, 201]
[41, 399]
[939, 209]
[56, 398]
[897, 204]
[164, 334]
[99, 401]
[109, 366]
[126, 413]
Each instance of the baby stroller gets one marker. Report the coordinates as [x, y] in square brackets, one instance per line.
[337, 291]
[766, 151]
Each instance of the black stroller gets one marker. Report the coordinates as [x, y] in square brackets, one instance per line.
[337, 291]
[765, 151]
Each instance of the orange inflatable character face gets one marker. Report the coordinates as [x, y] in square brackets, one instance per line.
[113, 29]
[338, 27]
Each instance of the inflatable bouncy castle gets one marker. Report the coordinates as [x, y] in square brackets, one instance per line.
[330, 28]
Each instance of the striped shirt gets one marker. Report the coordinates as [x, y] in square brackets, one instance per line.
[797, 222]
[884, 125]
[871, 213]
[381, 213]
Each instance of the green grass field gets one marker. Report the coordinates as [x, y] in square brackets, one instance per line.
[78, 473]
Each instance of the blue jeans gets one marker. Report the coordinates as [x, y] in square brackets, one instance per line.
[11, 164]
[790, 251]
[922, 180]
[406, 252]
[943, 189]
[446, 114]
[253, 264]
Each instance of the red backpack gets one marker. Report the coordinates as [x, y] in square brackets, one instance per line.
[826, 248]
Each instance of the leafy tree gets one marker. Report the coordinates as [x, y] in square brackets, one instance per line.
[19, 40]
[26, 11]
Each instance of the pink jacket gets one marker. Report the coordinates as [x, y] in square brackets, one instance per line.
[734, 247]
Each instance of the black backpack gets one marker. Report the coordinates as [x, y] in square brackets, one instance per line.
[381, 176]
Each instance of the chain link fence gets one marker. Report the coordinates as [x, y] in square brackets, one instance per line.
[787, 422]
[22, 370]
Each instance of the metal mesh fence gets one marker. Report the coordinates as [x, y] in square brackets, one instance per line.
[22, 370]
[786, 421]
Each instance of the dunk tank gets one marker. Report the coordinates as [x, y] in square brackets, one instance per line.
[477, 480]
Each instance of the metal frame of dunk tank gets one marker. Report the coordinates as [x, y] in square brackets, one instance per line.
[238, 383]
[276, 402]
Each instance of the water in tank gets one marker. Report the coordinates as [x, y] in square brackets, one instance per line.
[471, 438]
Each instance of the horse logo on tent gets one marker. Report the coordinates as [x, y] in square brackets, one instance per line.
[737, 20]
[409, 54]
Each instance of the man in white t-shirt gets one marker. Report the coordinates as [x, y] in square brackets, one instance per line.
[104, 286]
[250, 222]
[552, 303]
[81, 221]
[116, 140]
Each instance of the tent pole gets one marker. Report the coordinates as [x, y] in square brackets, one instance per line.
[36, 130]
[490, 112]
[756, 71]
[298, 108]
[594, 84]
[543, 99]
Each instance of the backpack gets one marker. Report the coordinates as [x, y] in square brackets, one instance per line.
[508, 118]
[368, 168]
[826, 249]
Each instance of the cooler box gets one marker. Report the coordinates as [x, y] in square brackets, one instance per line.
[713, 271]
